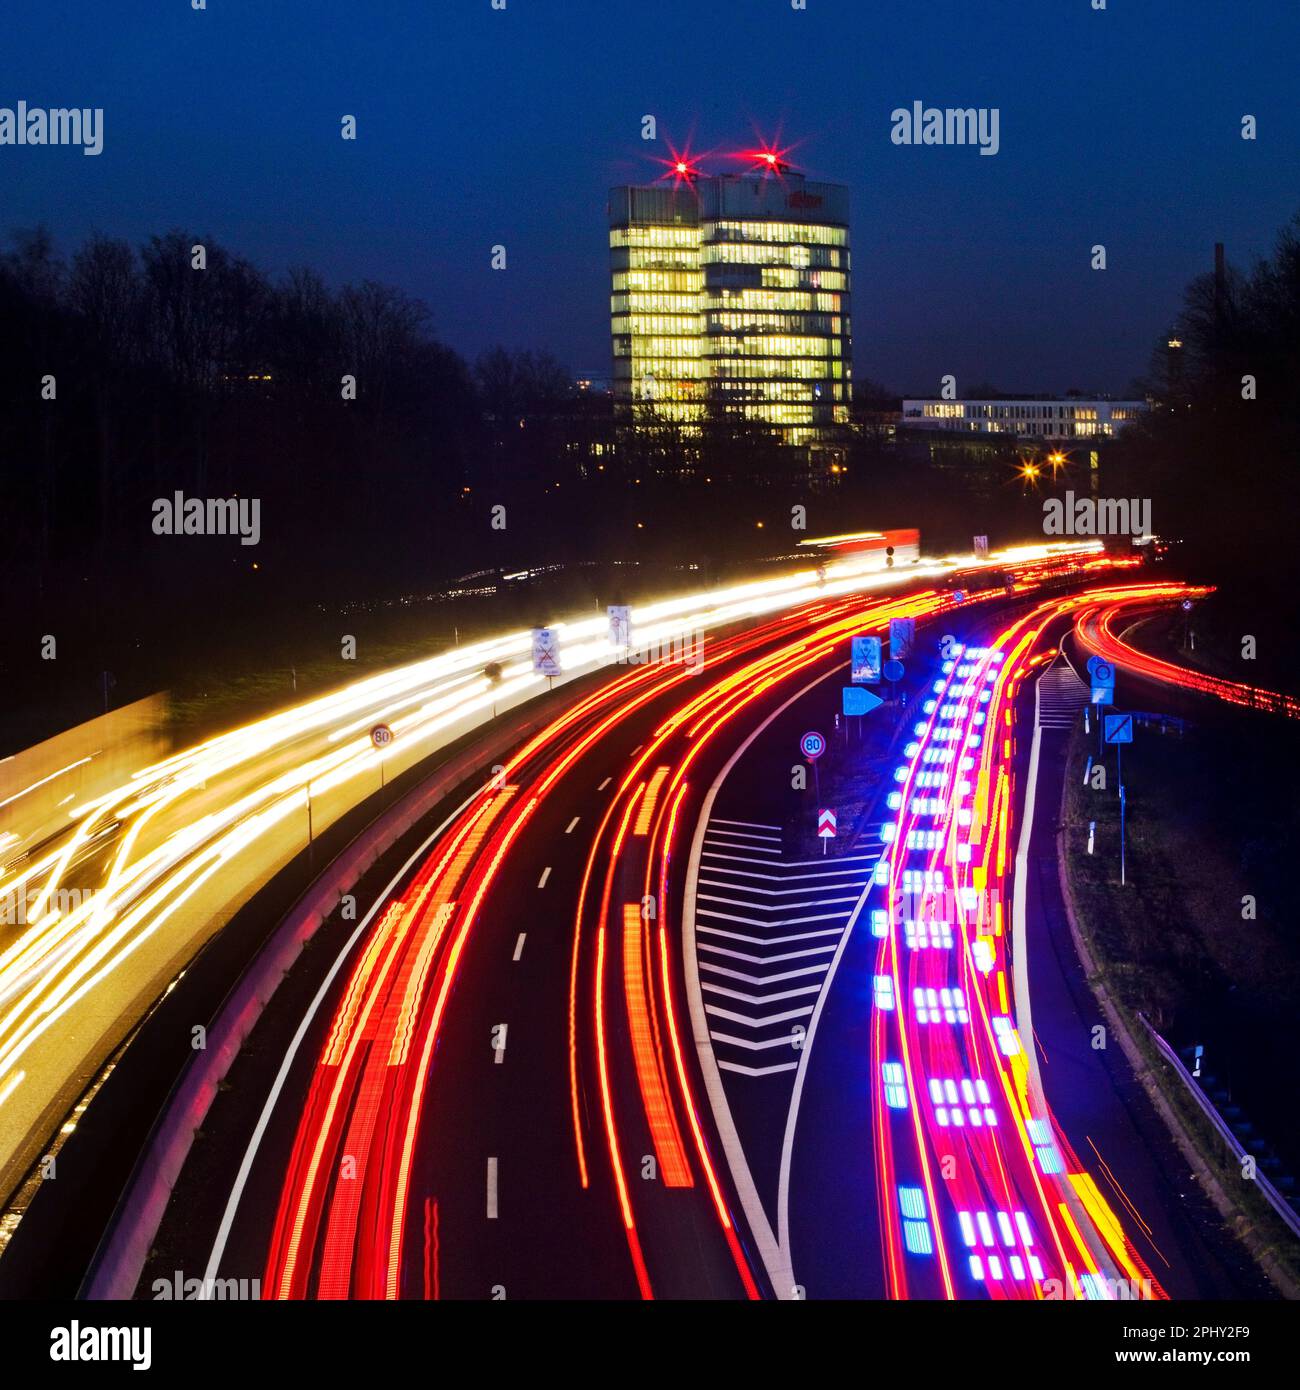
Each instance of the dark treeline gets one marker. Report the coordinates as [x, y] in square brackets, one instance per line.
[1220, 457]
[128, 375]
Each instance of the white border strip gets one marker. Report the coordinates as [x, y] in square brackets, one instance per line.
[775, 1252]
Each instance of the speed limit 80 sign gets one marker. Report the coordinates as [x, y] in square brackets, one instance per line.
[812, 745]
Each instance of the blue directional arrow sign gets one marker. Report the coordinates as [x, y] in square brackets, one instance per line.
[859, 701]
[1119, 728]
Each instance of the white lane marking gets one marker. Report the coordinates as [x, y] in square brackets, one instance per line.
[753, 849]
[777, 907]
[1070, 664]
[843, 859]
[604, 784]
[546, 873]
[754, 1045]
[762, 979]
[775, 1255]
[759, 1071]
[753, 824]
[771, 940]
[568, 830]
[769, 892]
[760, 998]
[782, 922]
[764, 1021]
[741, 834]
[519, 946]
[500, 1049]
[783, 878]
[264, 1119]
[764, 960]
[491, 1189]
[742, 859]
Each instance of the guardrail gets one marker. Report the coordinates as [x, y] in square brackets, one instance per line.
[1271, 1194]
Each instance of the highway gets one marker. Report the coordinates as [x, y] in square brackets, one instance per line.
[581, 1095]
[105, 914]
[962, 1126]
[537, 1078]
[621, 1026]
[1097, 1098]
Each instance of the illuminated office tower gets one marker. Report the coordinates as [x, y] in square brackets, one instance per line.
[656, 307]
[775, 255]
[731, 300]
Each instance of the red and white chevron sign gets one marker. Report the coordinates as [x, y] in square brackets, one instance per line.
[826, 824]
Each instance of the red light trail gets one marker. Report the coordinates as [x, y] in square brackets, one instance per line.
[980, 1192]
[340, 1230]
[1095, 628]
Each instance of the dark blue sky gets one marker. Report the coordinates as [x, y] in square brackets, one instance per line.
[478, 126]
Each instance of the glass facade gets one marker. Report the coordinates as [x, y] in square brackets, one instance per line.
[1068, 419]
[731, 299]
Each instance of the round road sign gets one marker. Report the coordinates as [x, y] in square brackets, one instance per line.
[381, 735]
[812, 745]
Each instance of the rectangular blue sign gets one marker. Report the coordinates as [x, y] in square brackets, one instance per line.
[902, 634]
[1119, 728]
[865, 661]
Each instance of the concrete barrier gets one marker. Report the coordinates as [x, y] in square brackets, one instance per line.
[40, 785]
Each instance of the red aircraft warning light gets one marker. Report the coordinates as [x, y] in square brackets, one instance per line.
[682, 167]
[768, 159]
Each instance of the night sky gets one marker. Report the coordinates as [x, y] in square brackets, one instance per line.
[479, 126]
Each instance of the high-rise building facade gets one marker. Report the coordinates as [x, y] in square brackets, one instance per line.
[731, 300]
[656, 305]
